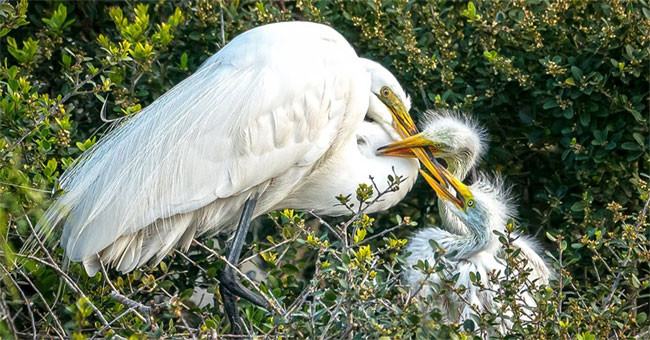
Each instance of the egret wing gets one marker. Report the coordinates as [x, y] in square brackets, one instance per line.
[260, 107]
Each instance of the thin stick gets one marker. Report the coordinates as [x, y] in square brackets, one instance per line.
[627, 258]
[223, 30]
[149, 311]
[101, 265]
[337, 234]
[27, 302]
[56, 268]
[70, 283]
[112, 322]
[47, 306]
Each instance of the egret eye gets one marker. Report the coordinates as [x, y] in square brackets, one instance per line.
[470, 203]
[385, 91]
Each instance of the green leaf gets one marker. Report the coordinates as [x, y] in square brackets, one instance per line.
[578, 206]
[577, 73]
[630, 146]
[470, 12]
[211, 324]
[183, 65]
[550, 104]
[468, 325]
[641, 318]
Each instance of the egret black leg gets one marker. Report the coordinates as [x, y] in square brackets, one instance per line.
[230, 304]
[230, 284]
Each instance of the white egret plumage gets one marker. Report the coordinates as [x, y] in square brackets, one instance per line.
[460, 141]
[470, 217]
[487, 202]
[274, 120]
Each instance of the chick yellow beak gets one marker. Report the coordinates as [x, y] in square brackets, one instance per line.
[404, 148]
[405, 127]
[416, 145]
[438, 177]
[463, 194]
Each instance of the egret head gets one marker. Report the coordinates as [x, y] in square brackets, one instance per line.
[456, 138]
[389, 104]
[491, 204]
[462, 200]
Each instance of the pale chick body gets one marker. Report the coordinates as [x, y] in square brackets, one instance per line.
[462, 144]
[277, 112]
[467, 232]
[475, 251]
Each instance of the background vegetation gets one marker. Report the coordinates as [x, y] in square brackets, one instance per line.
[561, 85]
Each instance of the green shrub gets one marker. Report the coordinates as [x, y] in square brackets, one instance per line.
[562, 87]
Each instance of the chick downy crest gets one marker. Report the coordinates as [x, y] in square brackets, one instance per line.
[463, 139]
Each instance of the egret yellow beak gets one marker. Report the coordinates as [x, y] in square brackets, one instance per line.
[405, 127]
[402, 121]
[415, 145]
[463, 194]
[418, 146]
[404, 148]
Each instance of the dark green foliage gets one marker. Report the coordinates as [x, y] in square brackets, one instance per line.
[561, 85]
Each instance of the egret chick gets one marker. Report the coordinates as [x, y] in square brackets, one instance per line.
[461, 142]
[487, 202]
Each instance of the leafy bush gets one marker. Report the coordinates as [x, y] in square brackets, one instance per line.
[562, 86]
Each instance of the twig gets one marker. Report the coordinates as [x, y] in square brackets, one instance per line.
[333, 318]
[619, 276]
[336, 233]
[187, 327]
[47, 306]
[112, 322]
[223, 30]
[427, 104]
[149, 311]
[275, 246]
[190, 261]
[380, 234]
[51, 110]
[108, 280]
[70, 283]
[25, 187]
[300, 300]
[59, 271]
[103, 268]
[27, 302]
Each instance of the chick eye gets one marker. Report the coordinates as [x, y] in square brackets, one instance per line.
[385, 91]
[470, 203]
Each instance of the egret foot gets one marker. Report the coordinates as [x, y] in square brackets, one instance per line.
[230, 304]
[230, 286]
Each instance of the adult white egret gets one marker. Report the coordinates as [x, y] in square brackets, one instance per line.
[274, 120]
[460, 141]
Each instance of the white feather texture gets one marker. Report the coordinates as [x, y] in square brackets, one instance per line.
[476, 251]
[261, 116]
[464, 142]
